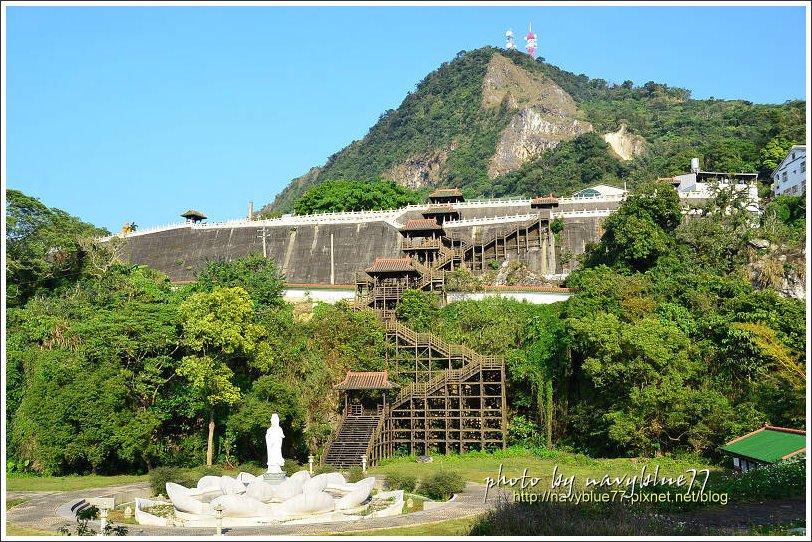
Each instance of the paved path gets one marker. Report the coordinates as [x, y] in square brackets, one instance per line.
[40, 512]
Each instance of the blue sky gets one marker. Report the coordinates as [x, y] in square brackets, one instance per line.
[120, 114]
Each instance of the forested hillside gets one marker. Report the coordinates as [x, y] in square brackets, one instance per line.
[446, 130]
[666, 347]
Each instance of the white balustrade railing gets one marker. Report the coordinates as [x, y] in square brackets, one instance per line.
[487, 220]
[694, 194]
[145, 231]
[387, 215]
[582, 212]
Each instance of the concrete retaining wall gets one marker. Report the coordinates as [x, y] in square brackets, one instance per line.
[332, 253]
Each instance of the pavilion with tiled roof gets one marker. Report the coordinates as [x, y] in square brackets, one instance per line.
[369, 380]
[441, 213]
[194, 216]
[545, 202]
[383, 282]
[365, 392]
[765, 446]
[421, 225]
[446, 195]
[422, 228]
[391, 265]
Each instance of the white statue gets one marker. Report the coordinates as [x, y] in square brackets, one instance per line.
[273, 441]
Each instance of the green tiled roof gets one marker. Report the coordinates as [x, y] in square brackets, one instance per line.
[767, 444]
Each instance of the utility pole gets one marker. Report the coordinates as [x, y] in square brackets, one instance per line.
[263, 235]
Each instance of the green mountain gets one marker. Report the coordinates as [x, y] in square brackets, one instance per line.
[497, 123]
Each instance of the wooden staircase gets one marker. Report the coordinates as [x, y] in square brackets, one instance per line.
[467, 247]
[395, 329]
[472, 362]
[352, 440]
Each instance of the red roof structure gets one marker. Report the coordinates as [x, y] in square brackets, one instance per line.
[391, 265]
[544, 201]
[373, 380]
[421, 224]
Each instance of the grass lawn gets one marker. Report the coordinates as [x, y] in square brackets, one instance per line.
[18, 530]
[11, 503]
[70, 483]
[451, 527]
[475, 467]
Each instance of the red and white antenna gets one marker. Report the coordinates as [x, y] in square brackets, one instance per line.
[530, 38]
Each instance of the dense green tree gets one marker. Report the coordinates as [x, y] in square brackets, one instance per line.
[217, 328]
[338, 196]
[719, 229]
[42, 247]
[772, 153]
[641, 231]
[418, 308]
[572, 165]
[246, 426]
[110, 340]
[257, 275]
[783, 220]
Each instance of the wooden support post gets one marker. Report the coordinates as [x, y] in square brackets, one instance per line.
[504, 404]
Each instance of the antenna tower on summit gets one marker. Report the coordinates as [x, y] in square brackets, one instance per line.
[510, 42]
[530, 38]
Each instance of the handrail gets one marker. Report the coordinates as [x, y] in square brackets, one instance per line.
[472, 360]
[331, 440]
[487, 220]
[422, 243]
[467, 243]
[370, 455]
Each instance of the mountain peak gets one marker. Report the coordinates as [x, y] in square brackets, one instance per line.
[495, 122]
[473, 118]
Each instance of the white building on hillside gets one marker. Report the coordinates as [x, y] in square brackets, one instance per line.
[600, 191]
[789, 178]
[699, 184]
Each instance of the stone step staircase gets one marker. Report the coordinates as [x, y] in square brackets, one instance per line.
[352, 440]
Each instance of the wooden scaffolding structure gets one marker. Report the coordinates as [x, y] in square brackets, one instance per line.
[451, 398]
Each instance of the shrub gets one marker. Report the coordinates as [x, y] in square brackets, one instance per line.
[291, 467]
[158, 478]
[324, 469]
[782, 480]
[441, 485]
[398, 480]
[83, 517]
[569, 519]
[355, 474]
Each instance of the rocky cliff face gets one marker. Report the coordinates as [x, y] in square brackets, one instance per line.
[778, 267]
[421, 170]
[545, 114]
[625, 144]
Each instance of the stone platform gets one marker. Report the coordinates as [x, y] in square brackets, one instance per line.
[40, 512]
